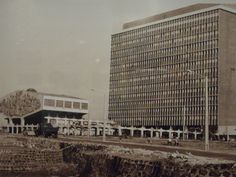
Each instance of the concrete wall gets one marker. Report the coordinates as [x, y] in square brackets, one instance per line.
[227, 72]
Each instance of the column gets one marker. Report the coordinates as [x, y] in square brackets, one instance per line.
[89, 127]
[22, 120]
[157, 135]
[11, 128]
[22, 124]
[81, 131]
[132, 132]
[151, 133]
[56, 118]
[170, 132]
[68, 127]
[142, 131]
[227, 134]
[195, 134]
[161, 131]
[187, 133]
[94, 131]
[10, 121]
[109, 130]
[178, 132]
[17, 129]
[62, 124]
[184, 134]
[119, 131]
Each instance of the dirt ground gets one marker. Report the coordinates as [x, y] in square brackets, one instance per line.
[218, 146]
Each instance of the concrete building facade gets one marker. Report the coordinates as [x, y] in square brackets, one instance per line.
[149, 80]
[25, 109]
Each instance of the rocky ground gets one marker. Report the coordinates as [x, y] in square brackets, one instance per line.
[114, 161]
[220, 146]
[32, 157]
[59, 158]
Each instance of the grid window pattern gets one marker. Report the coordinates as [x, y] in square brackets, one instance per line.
[85, 106]
[49, 102]
[76, 105]
[68, 104]
[148, 81]
[59, 103]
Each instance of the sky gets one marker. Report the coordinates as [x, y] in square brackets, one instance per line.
[63, 46]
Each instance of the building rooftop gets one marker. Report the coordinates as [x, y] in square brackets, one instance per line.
[26, 102]
[172, 13]
[58, 95]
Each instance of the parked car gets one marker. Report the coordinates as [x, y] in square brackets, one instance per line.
[46, 130]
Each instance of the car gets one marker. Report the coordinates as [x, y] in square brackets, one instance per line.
[47, 130]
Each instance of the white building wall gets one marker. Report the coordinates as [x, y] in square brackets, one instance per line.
[73, 110]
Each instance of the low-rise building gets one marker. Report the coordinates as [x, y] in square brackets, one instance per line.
[29, 107]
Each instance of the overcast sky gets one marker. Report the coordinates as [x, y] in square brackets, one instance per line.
[63, 46]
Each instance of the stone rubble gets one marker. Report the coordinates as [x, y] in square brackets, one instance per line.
[40, 157]
[32, 157]
[188, 157]
[115, 161]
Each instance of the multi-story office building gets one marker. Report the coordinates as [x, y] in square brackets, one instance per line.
[149, 80]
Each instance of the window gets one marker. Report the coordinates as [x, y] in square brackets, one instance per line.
[59, 103]
[85, 106]
[49, 102]
[68, 104]
[76, 105]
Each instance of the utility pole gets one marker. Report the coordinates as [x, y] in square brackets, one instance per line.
[206, 110]
[104, 114]
[184, 108]
[89, 127]
[104, 119]
[206, 118]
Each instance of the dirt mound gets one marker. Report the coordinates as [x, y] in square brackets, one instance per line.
[113, 161]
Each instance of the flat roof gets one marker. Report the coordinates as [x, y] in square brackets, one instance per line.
[59, 95]
[177, 13]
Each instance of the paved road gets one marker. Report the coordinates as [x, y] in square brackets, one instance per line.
[212, 154]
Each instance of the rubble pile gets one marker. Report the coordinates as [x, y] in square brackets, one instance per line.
[156, 155]
[49, 157]
[20, 103]
[39, 144]
[115, 161]
[32, 156]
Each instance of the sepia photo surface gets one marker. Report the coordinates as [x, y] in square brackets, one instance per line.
[117, 88]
